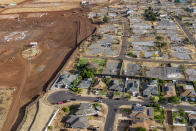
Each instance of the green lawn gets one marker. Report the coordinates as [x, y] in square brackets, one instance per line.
[180, 117]
[159, 115]
[99, 61]
[83, 61]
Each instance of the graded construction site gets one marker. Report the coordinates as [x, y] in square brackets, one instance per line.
[33, 48]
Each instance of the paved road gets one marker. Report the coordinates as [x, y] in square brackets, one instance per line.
[112, 105]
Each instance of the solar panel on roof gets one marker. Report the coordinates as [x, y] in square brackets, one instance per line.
[149, 112]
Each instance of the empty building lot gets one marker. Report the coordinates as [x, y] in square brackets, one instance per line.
[112, 67]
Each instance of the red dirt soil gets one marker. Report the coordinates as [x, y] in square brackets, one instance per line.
[56, 35]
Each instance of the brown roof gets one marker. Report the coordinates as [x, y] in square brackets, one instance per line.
[169, 90]
[192, 116]
[99, 84]
[140, 115]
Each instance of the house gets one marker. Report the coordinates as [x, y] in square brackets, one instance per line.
[141, 113]
[86, 109]
[150, 88]
[80, 122]
[192, 120]
[85, 84]
[169, 90]
[116, 85]
[187, 91]
[141, 116]
[80, 118]
[132, 86]
[99, 84]
[65, 80]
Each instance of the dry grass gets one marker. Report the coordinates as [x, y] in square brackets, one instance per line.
[6, 96]
[10, 1]
[69, 1]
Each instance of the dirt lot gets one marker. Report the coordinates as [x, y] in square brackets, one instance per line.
[55, 34]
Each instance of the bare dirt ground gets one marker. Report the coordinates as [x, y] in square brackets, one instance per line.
[55, 34]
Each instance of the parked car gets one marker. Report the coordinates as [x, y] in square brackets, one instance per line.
[59, 103]
[73, 99]
[117, 99]
[99, 97]
[66, 101]
[99, 101]
[93, 128]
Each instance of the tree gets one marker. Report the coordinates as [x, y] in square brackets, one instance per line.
[105, 19]
[141, 129]
[150, 15]
[161, 99]
[174, 99]
[194, 83]
[154, 98]
[66, 109]
[187, 41]
[159, 37]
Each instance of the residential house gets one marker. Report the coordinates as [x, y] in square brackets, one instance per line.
[74, 121]
[150, 88]
[99, 85]
[192, 120]
[169, 90]
[187, 91]
[132, 86]
[85, 109]
[65, 80]
[85, 84]
[80, 118]
[142, 115]
[116, 85]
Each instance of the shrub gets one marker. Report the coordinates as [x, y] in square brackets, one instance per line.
[132, 55]
[159, 37]
[107, 81]
[50, 127]
[174, 99]
[141, 129]
[66, 109]
[105, 19]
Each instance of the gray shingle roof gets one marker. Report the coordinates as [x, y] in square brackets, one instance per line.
[150, 88]
[116, 85]
[132, 86]
[77, 121]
